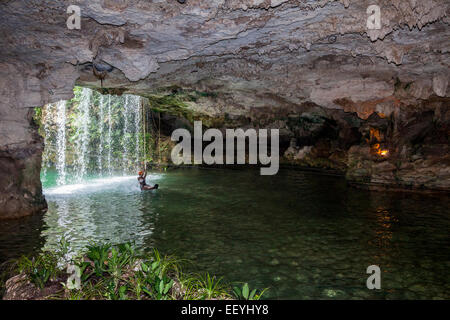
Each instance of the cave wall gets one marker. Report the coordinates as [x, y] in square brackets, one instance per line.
[20, 149]
[310, 68]
[406, 149]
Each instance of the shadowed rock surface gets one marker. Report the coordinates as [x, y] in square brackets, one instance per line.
[340, 94]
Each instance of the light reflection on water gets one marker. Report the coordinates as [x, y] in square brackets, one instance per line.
[305, 236]
[99, 210]
[95, 185]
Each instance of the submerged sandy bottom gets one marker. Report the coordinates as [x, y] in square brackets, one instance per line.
[305, 236]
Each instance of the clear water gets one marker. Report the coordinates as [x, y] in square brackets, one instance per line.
[303, 235]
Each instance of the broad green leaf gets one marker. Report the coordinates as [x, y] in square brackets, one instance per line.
[161, 287]
[245, 291]
[252, 294]
[238, 292]
[168, 286]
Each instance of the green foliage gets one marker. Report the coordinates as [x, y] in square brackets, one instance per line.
[115, 273]
[112, 293]
[44, 267]
[39, 276]
[210, 287]
[98, 129]
[99, 256]
[153, 146]
[155, 275]
[156, 283]
[244, 293]
[85, 274]
[118, 272]
[37, 118]
[39, 269]
[207, 94]
[177, 103]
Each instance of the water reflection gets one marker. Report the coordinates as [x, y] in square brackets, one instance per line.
[100, 210]
[305, 236]
[20, 237]
[384, 230]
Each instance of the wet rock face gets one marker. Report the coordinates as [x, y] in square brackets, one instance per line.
[252, 58]
[21, 189]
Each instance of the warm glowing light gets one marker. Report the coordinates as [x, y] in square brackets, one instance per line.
[375, 134]
[376, 148]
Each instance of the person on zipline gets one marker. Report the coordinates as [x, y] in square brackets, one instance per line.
[144, 185]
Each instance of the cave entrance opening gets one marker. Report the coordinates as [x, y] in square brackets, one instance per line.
[91, 135]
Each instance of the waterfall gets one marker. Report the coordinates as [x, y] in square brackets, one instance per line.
[125, 141]
[131, 111]
[100, 147]
[91, 134]
[137, 128]
[109, 136]
[61, 142]
[83, 133]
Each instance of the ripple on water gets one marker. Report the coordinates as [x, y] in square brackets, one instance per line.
[304, 236]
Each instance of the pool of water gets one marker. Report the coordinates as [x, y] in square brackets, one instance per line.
[303, 235]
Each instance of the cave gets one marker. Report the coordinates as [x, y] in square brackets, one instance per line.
[367, 103]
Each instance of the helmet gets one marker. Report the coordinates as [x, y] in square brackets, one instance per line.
[140, 173]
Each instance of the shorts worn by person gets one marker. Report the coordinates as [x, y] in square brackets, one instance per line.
[143, 184]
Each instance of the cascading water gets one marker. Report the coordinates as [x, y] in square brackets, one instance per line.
[109, 136]
[132, 111]
[83, 134]
[61, 142]
[91, 135]
[126, 113]
[100, 147]
[137, 127]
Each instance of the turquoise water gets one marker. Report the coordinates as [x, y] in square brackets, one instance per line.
[303, 235]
